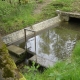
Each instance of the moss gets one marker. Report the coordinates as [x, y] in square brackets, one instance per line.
[7, 65]
[22, 78]
[7, 73]
[1, 65]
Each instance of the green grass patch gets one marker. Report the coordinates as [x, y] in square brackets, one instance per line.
[14, 17]
[76, 51]
[50, 10]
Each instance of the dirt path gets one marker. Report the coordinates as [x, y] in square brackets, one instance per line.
[40, 6]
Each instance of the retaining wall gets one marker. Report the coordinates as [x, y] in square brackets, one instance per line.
[66, 15]
[18, 36]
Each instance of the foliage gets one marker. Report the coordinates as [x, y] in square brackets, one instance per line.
[49, 10]
[31, 72]
[76, 51]
[15, 17]
[32, 68]
[8, 69]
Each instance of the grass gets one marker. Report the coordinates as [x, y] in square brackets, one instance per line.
[63, 70]
[40, 1]
[14, 17]
[50, 10]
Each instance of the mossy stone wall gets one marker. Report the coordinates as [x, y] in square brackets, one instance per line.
[8, 69]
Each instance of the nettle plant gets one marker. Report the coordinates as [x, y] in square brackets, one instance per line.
[33, 68]
[31, 72]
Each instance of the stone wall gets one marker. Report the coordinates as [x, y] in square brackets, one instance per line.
[18, 36]
[66, 15]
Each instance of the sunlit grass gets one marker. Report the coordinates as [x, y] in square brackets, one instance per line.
[16, 17]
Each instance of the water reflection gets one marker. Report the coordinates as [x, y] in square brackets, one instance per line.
[54, 44]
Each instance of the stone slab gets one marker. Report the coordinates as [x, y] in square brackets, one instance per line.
[66, 15]
[42, 61]
[16, 50]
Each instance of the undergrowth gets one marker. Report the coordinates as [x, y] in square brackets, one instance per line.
[15, 17]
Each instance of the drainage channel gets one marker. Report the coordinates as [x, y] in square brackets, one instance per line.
[53, 45]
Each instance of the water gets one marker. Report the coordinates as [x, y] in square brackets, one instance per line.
[57, 43]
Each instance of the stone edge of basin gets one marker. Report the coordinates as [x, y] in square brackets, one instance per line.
[65, 16]
[19, 35]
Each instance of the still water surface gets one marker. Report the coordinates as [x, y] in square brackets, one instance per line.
[57, 43]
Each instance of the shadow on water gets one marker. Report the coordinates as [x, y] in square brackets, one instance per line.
[57, 43]
[74, 20]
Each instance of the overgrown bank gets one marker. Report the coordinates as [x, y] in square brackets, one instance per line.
[15, 16]
[63, 70]
[8, 69]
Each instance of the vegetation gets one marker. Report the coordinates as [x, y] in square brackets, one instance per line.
[18, 14]
[8, 69]
[15, 17]
[63, 70]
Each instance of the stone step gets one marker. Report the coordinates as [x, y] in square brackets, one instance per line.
[42, 61]
[16, 50]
